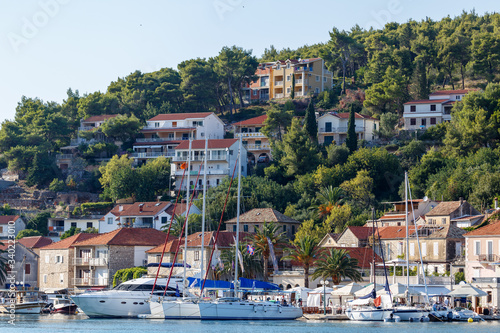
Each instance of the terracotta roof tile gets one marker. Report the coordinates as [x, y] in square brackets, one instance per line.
[261, 215]
[179, 209]
[345, 115]
[362, 233]
[180, 116]
[448, 92]
[69, 242]
[252, 121]
[127, 237]
[5, 219]
[212, 144]
[145, 208]
[225, 240]
[444, 208]
[448, 231]
[35, 242]
[393, 232]
[492, 229]
[427, 101]
[168, 129]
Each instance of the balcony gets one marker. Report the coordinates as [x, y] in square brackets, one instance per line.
[298, 81]
[278, 95]
[152, 154]
[56, 228]
[250, 135]
[299, 93]
[200, 158]
[154, 139]
[489, 258]
[278, 83]
[86, 128]
[262, 146]
[64, 156]
[210, 172]
[90, 281]
[340, 129]
[102, 261]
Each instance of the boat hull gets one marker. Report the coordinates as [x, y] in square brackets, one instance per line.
[368, 314]
[66, 309]
[24, 308]
[411, 314]
[248, 311]
[174, 310]
[117, 304]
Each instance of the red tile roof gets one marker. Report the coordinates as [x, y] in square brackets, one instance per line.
[427, 101]
[101, 117]
[261, 215]
[393, 217]
[127, 237]
[252, 121]
[145, 208]
[212, 144]
[448, 92]
[362, 233]
[169, 129]
[492, 229]
[179, 209]
[345, 115]
[396, 231]
[69, 242]
[5, 219]
[180, 116]
[35, 242]
[225, 240]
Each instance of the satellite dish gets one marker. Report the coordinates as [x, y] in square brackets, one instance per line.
[426, 198]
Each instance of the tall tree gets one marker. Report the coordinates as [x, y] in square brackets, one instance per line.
[310, 125]
[271, 231]
[352, 139]
[338, 266]
[277, 122]
[305, 252]
[300, 153]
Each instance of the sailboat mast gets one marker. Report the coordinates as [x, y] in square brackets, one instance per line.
[187, 215]
[373, 249]
[237, 221]
[407, 233]
[204, 208]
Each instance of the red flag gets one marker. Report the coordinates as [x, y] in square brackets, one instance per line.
[183, 166]
[377, 301]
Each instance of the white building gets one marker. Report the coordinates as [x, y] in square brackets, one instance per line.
[11, 225]
[58, 225]
[164, 132]
[421, 114]
[333, 126]
[222, 156]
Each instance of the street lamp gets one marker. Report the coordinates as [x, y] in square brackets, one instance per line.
[324, 283]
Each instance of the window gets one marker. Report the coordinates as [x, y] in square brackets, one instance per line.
[89, 225]
[174, 124]
[44, 278]
[47, 259]
[284, 228]
[433, 121]
[328, 127]
[278, 67]
[288, 66]
[255, 92]
[400, 248]
[423, 121]
[164, 219]
[196, 255]
[59, 259]
[27, 269]
[317, 78]
[61, 278]
[328, 140]
[413, 108]
[477, 248]
[413, 121]
[316, 90]
[288, 90]
[245, 227]
[288, 78]
[1, 230]
[436, 249]
[443, 220]
[324, 79]
[73, 224]
[436, 269]
[412, 249]
[157, 125]
[110, 220]
[424, 249]
[374, 126]
[234, 228]
[433, 107]
[457, 97]
[293, 229]
[171, 135]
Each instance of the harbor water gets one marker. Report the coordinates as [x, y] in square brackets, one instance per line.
[80, 323]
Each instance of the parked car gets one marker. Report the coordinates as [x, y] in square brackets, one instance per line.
[263, 159]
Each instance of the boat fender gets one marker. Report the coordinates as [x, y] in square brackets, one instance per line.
[470, 320]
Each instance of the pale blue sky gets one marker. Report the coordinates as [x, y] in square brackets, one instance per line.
[48, 46]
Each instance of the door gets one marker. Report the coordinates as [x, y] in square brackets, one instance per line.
[490, 250]
[458, 249]
[85, 276]
[85, 255]
[328, 127]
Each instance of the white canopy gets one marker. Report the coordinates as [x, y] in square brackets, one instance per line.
[301, 292]
[467, 290]
[399, 290]
[367, 289]
[315, 296]
[347, 290]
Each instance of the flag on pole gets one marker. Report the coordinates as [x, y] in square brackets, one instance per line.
[250, 249]
[240, 258]
[183, 166]
[273, 256]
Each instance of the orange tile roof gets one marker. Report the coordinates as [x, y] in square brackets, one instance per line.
[393, 232]
[35, 242]
[5, 219]
[180, 116]
[345, 115]
[212, 144]
[179, 209]
[225, 240]
[448, 92]
[145, 208]
[426, 101]
[69, 242]
[393, 216]
[168, 129]
[445, 208]
[364, 255]
[252, 121]
[127, 237]
[101, 117]
[492, 229]
[362, 233]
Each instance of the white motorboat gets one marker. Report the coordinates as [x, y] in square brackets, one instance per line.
[22, 302]
[129, 299]
[410, 313]
[365, 310]
[462, 314]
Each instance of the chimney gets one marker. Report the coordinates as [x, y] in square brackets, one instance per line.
[461, 208]
[140, 207]
[496, 203]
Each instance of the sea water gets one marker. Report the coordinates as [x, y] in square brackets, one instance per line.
[80, 323]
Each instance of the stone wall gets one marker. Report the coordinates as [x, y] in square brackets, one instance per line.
[52, 272]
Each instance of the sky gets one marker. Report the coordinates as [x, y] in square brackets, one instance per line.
[48, 46]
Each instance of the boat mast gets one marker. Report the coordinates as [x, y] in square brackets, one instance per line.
[373, 249]
[237, 221]
[188, 184]
[407, 240]
[204, 207]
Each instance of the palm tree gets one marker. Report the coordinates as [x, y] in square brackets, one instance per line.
[3, 265]
[338, 265]
[251, 263]
[328, 197]
[269, 230]
[305, 252]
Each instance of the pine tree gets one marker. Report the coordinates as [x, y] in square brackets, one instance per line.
[310, 125]
[352, 140]
[292, 94]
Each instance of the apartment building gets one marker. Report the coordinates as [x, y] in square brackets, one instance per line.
[332, 127]
[255, 142]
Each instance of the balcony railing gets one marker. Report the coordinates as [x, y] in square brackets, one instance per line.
[102, 261]
[258, 147]
[298, 93]
[152, 154]
[489, 257]
[56, 228]
[278, 83]
[90, 281]
[278, 95]
[298, 81]
[86, 128]
[64, 156]
[250, 135]
[340, 129]
[210, 172]
[200, 158]
[154, 139]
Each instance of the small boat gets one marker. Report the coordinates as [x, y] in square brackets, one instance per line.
[64, 305]
[365, 310]
[462, 314]
[22, 302]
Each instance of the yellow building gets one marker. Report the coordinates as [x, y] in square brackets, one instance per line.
[311, 77]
